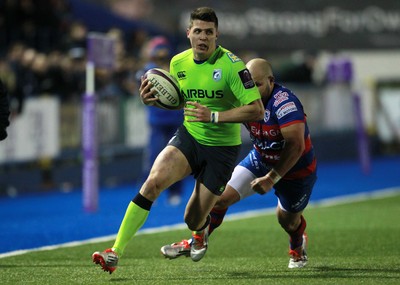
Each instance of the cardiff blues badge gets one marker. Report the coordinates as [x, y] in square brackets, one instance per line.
[217, 74]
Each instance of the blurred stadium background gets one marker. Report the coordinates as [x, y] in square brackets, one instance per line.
[333, 54]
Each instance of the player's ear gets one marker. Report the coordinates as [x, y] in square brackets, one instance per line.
[187, 32]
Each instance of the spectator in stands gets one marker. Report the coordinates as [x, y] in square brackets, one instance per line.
[75, 38]
[4, 111]
[24, 78]
[120, 80]
[36, 23]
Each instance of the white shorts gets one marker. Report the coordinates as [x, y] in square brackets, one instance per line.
[240, 182]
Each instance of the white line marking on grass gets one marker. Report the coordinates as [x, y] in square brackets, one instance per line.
[345, 199]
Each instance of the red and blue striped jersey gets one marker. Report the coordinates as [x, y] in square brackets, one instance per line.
[282, 109]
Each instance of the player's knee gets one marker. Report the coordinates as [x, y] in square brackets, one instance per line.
[222, 204]
[151, 188]
[289, 225]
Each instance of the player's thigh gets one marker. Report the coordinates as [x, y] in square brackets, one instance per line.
[169, 167]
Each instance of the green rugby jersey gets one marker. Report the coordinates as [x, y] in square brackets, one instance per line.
[220, 83]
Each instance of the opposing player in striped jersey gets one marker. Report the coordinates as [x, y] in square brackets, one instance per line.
[282, 158]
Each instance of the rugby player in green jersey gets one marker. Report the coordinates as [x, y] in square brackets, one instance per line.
[219, 94]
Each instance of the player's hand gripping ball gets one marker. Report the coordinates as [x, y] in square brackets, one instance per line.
[168, 94]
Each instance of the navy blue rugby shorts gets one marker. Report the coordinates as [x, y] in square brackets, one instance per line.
[211, 165]
[293, 195]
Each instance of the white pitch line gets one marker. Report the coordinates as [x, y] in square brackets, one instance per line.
[346, 199]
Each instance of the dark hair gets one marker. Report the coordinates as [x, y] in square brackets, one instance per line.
[206, 14]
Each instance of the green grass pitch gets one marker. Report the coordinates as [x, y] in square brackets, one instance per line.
[352, 243]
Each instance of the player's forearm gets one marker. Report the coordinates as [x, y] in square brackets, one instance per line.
[289, 156]
[248, 113]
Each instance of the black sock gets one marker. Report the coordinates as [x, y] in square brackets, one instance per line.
[142, 202]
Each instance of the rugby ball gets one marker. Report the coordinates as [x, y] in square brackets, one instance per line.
[167, 88]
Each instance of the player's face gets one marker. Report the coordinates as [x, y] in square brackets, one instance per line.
[264, 84]
[203, 37]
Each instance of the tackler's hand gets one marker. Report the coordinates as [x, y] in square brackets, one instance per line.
[262, 185]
